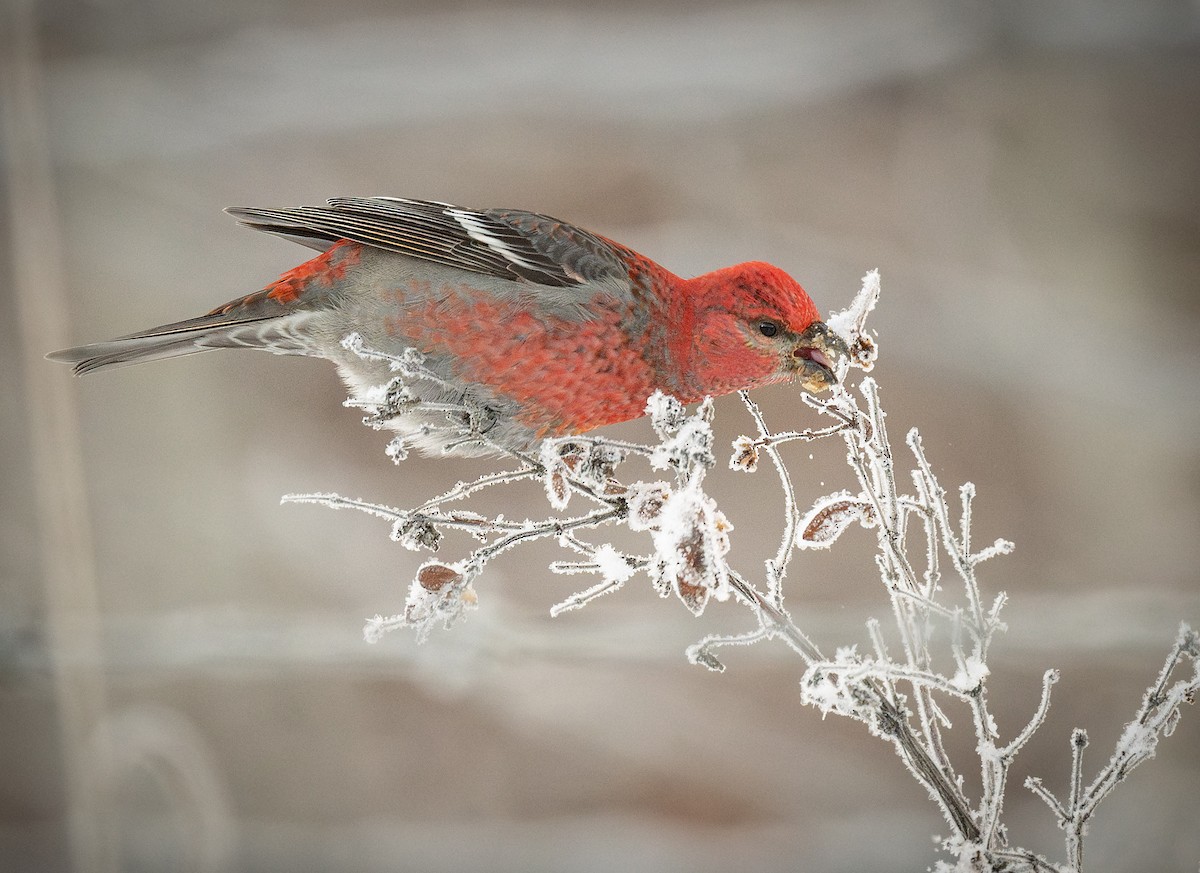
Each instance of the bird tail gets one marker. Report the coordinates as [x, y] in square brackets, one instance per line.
[275, 332]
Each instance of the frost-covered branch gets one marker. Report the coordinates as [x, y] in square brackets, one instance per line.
[1156, 718]
[933, 652]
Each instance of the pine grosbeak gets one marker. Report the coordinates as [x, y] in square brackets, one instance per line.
[551, 329]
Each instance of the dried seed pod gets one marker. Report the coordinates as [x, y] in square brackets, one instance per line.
[830, 516]
[435, 576]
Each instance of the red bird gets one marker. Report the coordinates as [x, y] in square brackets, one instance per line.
[551, 329]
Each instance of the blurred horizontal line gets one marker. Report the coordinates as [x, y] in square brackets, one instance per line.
[1045, 629]
[627, 64]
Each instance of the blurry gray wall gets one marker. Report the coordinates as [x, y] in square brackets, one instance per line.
[1025, 175]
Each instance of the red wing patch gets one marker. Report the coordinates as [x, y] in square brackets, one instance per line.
[325, 268]
[322, 271]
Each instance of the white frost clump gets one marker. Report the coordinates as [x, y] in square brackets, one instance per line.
[851, 325]
[687, 440]
[612, 565]
[691, 540]
[970, 674]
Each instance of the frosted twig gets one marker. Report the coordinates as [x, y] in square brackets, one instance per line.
[701, 652]
[337, 501]
[861, 671]
[581, 598]
[775, 620]
[1049, 678]
[463, 490]
[777, 568]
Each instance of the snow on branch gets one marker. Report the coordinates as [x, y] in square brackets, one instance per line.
[925, 550]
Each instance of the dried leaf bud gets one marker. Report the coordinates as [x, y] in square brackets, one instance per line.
[558, 459]
[691, 540]
[864, 352]
[745, 455]
[435, 576]
[830, 516]
[666, 414]
[557, 490]
[694, 597]
[646, 501]
[417, 535]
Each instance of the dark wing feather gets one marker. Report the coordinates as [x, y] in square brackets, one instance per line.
[508, 243]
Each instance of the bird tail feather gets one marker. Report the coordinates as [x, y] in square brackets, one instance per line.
[217, 330]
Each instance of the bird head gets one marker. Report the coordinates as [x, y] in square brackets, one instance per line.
[755, 325]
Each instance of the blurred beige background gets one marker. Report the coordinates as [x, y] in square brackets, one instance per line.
[1025, 175]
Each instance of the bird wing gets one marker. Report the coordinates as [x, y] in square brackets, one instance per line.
[507, 243]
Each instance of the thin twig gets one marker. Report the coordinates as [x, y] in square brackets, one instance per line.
[777, 569]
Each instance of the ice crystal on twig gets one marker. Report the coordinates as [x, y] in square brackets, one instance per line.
[924, 538]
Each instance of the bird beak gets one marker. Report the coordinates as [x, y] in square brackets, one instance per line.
[815, 355]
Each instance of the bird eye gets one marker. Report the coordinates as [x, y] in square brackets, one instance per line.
[768, 328]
